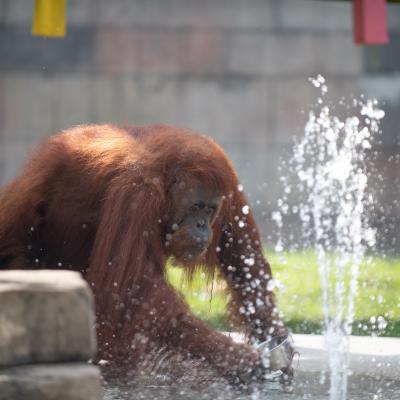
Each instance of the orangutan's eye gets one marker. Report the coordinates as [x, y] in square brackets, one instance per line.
[195, 208]
[210, 210]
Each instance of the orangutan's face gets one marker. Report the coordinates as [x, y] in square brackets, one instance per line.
[189, 228]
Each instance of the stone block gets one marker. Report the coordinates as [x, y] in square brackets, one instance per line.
[107, 101]
[257, 168]
[155, 51]
[13, 153]
[300, 54]
[296, 96]
[124, 99]
[45, 316]
[27, 106]
[73, 106]
[21, 51]
[393, 14]
[384, 87]
[230, 110]
[16, 12]
[84, 13]
[320, 15]
[146, 100]
[383, 59]
[69, 381]
[175, 13]
[34, 106]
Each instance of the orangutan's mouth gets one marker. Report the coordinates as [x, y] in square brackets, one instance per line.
[193, 253]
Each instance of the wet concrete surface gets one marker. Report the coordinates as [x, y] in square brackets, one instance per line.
[374, 374]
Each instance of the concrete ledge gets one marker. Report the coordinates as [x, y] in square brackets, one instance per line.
[45, 316]
[369, 356]
[69, 381]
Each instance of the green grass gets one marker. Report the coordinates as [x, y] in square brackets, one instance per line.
[206, 299]
[299, 294]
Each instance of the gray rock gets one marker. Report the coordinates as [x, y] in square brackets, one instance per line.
[45, 316]
[70, 381]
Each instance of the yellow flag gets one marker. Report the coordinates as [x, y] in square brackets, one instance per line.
[49, 18]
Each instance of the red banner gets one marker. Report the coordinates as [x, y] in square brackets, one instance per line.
[370, 22]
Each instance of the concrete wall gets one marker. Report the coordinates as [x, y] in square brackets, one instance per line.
[234, 69]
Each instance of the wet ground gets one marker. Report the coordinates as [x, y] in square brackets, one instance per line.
[305, 387]
[374, 375]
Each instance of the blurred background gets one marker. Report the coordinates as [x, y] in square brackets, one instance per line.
[236, 70]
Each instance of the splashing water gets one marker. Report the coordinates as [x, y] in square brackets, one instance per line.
[331, 180]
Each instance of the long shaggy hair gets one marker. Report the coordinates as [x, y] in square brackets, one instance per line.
[94, 198]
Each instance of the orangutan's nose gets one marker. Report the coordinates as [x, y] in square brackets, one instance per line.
[201, 223]
[201, 233]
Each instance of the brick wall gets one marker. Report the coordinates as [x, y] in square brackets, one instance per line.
[234, 69]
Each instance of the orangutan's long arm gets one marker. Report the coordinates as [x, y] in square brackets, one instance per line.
[180, 329]
[248, 275]
[162, 318]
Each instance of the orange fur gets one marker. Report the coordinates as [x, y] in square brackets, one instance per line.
[93, 199]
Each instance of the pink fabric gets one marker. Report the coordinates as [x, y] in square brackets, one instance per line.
[370, 22]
